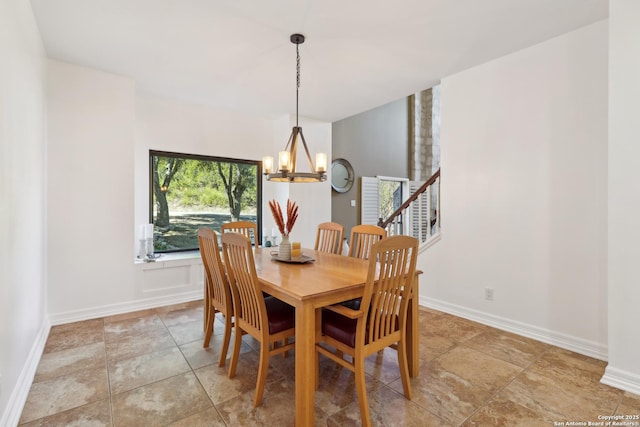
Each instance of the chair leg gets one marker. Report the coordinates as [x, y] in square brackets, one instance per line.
[208, 330]
[262, 373]
[225, 341]
[316, 363]
[235, 354]
[404, 369]
[361, 389]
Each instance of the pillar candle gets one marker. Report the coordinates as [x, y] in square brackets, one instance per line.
[296, 252]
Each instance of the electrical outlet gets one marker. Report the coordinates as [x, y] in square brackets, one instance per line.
[488, 294]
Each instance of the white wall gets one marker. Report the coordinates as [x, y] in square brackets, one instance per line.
[23, 321]
[100, 133]
[524, 195]
[90, 191]
[623, 370]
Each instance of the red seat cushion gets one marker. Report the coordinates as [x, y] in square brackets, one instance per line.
[342, 328]
[281, 315]
[339, 327]
[353, 304]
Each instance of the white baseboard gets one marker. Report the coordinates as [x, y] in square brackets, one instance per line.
[558, 339]
[18, 398]
[621, 379]
[125, 307]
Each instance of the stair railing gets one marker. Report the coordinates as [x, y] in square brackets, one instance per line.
[419, 215]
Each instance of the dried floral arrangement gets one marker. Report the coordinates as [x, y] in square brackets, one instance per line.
[292, 215]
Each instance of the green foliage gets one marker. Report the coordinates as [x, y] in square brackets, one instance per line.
[198, 184]
[388, 202]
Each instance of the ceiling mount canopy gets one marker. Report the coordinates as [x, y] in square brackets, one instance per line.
[287, 159]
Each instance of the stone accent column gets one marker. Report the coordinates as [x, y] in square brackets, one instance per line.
[424, 133]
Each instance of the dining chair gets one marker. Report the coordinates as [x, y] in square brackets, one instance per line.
[363, 237]
[329, 237]
[380, 321]
[218, 295]
[246, 228]
[267, 319]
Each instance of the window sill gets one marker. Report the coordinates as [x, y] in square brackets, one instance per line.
[175, 259]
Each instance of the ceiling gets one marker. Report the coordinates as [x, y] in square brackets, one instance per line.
[359, 54]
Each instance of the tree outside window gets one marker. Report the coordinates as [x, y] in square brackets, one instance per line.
[191, 191]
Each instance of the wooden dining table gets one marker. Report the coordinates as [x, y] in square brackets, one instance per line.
[329, 279]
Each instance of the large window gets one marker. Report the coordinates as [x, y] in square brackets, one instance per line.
[190, 191]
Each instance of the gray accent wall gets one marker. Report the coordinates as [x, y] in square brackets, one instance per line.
[375, 142]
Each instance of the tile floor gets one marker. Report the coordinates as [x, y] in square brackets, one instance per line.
[149, 369]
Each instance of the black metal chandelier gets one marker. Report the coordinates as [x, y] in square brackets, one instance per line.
[287, 159]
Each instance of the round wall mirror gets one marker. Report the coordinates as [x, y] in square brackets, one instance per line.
[341, 175]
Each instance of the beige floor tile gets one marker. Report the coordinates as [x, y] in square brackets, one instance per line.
[198, 356]
[503, 413]
[388, 408]
[383, 366]
[432, 345]
[427, 310]
[478, 368]
[59, 394]
[128, 374]
[631, 399]
[90, 356]
[207, 418]
[336, 388]
[455, 328]
[160, 403]
[160, 374]
[276, 409]
[128, 328]
[445, 394]
[137, 345]
[221, 388]
[63, 337]
[630, 405]
[520, 351]
[560, 398]
[569, 366]
[129, 315]
[179, 306]
[285, 365]
[96, 414]
[183, 333]
[184, 315]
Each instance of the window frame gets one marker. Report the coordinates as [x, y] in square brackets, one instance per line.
[203, 157]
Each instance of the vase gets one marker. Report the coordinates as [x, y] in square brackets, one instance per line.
[284, 250]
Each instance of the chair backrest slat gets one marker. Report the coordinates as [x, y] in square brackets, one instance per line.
[389, 285]
[248, 302]
[329, 237]
[246, 228]
[363, 237]
[216, 279]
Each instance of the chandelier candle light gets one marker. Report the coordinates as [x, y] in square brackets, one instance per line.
[284, 250]
[287, 159]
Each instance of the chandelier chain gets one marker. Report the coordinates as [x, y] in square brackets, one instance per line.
[297, 68]
[297, 80]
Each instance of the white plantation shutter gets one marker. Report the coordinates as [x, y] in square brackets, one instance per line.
[418, 208]
[369, 201]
